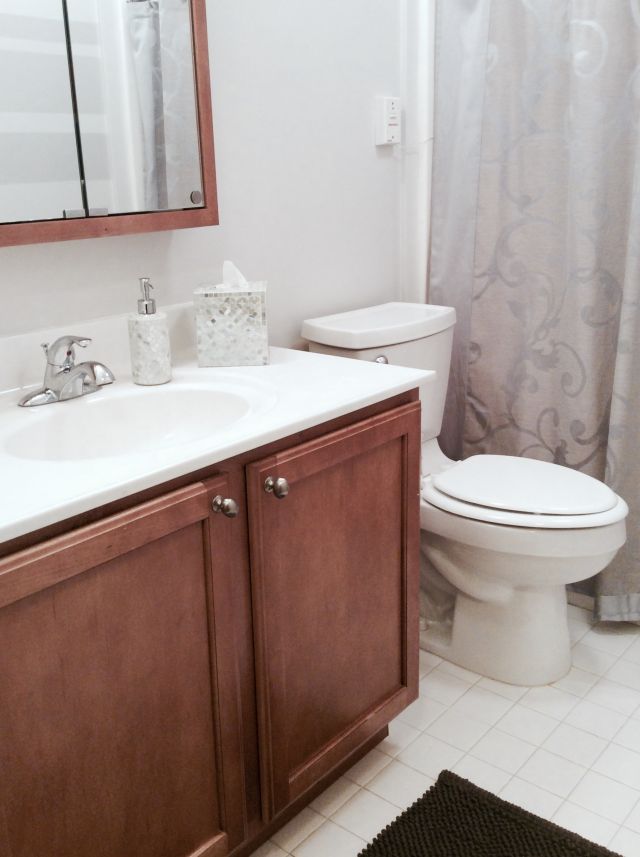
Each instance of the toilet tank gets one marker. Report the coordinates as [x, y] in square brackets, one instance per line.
[403, 334]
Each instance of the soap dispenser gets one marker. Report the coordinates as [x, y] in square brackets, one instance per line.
[149, 341]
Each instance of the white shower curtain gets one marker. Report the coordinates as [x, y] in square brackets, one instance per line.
[182, 151]
[535, 230]
[144, 34]
[161, 44]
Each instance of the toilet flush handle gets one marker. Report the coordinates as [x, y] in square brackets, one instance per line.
[381, 359]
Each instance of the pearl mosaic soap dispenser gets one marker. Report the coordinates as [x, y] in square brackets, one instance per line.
[149, 341]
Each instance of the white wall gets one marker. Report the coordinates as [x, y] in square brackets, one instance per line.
[417, 52]
[306, 200]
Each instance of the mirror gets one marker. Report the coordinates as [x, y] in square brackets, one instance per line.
[105, 127]
[39, 175]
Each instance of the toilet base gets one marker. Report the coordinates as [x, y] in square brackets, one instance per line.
[524, 641]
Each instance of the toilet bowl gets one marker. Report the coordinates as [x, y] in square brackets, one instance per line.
[501, 536]
[509, 567]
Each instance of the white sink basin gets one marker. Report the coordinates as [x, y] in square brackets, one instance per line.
[58, 461]
[131, 421]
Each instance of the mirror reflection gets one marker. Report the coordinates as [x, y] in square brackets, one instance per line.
[39, 175]
[98, 109]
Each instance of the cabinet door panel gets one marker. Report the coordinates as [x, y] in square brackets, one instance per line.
[111, 741]
[334, 582]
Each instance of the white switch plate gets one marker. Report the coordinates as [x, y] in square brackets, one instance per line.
[388, 120]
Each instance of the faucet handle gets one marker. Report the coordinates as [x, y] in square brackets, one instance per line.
[61, 354]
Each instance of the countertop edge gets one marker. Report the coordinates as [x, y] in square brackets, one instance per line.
[69, 508]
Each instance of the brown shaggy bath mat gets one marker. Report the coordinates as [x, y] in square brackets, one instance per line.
[457, 819]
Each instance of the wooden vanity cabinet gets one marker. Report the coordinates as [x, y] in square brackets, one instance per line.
[172, 679]
[335, 600]
[119, 727]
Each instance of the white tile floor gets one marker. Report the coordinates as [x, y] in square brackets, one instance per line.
[569, 752]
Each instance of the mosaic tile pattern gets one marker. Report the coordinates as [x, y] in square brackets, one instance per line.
[231, 325]
[150, 349]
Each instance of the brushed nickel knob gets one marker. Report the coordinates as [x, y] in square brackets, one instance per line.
[381, 359]
[226, 505]
[278, 487]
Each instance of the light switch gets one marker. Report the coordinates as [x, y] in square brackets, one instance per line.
[388, 120]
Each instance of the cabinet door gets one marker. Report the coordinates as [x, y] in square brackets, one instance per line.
[118, 712]
[335, 596]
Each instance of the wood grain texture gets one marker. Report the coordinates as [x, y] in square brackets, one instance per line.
[40, 231]
[266, 830]
[334, 572]
[234, 636]
[131, 638]
[38, 567]
[120, 734]
[229, 640]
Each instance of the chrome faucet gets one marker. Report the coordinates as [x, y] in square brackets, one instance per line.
[63, 378]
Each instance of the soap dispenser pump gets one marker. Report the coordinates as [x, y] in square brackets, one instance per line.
[149, 340]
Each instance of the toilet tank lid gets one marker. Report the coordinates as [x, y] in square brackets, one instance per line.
[524, 485]
[375, 326]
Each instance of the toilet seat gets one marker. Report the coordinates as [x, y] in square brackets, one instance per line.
[524, 485]
[521, 492]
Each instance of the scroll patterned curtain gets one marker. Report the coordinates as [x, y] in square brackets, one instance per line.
[536, 241]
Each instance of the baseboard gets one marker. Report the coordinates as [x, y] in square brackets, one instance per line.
[579, 599]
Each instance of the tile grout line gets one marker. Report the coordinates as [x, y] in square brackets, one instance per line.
[514, 774]
[495, 727]
[609, 741]
[595, 812]
[560, 722]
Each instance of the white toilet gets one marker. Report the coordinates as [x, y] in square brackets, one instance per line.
[501, 535]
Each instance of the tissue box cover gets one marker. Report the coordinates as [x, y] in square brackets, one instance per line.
[231, 325]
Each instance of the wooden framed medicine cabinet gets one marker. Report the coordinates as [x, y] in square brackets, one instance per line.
[108, 137]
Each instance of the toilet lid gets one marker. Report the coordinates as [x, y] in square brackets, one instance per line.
[379, 326]
[524, 485]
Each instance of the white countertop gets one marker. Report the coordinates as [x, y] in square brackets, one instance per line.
[296, 391]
